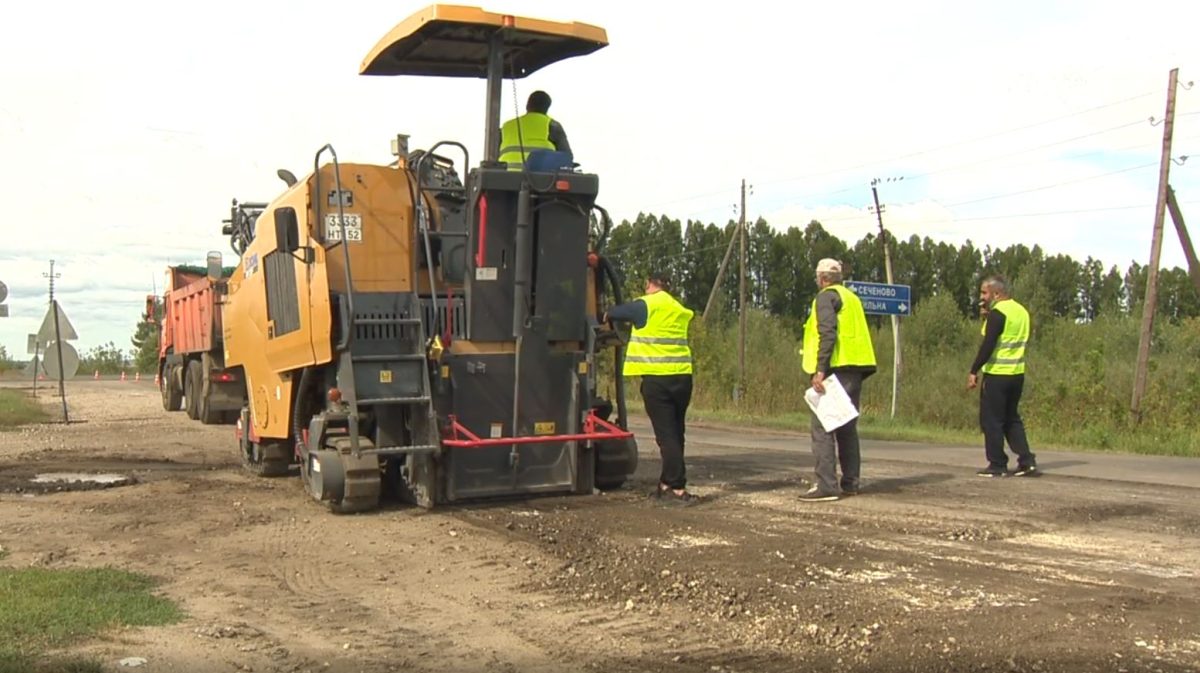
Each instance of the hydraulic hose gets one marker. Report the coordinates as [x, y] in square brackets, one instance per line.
[300, 407]
[618, 352]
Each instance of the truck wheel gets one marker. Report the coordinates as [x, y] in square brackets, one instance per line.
[172, 396]
[191, 386]
[204, 409]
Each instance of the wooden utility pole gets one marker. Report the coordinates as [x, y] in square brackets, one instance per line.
[721, 272]
[1184, 239]
[887, 264]
[1143, 356]
[742, 299]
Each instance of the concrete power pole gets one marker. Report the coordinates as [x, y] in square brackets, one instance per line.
[62, 393]
[887, 263]
[1143, 356]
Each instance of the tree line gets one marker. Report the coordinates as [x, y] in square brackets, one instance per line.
[781, 281]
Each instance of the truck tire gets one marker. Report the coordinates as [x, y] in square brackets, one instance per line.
[191, 387]
[204, 410]
[172, 395]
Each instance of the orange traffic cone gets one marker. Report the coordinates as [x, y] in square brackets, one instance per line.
[137, 376]
[96, 376]
[156, 379]
[122, 375]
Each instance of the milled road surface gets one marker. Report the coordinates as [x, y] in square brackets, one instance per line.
[1092, 567]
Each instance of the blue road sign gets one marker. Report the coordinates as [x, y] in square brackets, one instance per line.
[882, 299]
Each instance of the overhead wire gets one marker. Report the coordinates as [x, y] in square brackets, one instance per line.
[996, 134]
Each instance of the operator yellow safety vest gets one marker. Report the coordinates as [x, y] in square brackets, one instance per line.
[661, 347]
[853, 346]
[534, 134]
[1009, 356]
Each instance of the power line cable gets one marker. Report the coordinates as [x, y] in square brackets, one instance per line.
[997, 134]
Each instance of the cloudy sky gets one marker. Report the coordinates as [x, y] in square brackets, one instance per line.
[127, 126]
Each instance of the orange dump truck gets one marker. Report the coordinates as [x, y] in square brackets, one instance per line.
[191, 355]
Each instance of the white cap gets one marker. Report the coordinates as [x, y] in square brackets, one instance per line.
[828, 265]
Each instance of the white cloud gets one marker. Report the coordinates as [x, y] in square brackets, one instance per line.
[127, 129]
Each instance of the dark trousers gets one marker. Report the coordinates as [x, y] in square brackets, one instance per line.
[839, 447]
[1000, 420]
[667, 399]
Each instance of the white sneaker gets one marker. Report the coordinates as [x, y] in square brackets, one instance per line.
[815, 494]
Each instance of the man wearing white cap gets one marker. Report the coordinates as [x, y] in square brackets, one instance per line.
[836, 341]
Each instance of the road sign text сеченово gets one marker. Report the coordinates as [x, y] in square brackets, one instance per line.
[882, 299]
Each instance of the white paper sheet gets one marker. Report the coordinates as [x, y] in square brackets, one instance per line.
[833, 408]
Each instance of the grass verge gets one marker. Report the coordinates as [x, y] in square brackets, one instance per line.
[17, 408]
[43, 610]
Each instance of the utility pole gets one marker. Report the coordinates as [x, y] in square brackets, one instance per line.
[887, 264]
[62, 393]
[1184, 238]
[720, 272]
[742, 300]
[1143, 356]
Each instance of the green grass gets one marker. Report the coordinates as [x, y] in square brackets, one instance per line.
[1077, 391]
[17, 408]
[14, 663]
[1165, 442]
[43, 610]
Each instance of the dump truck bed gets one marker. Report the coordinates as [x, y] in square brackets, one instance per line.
[192, 318]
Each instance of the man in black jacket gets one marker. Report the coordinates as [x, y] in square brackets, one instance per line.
[1001, 358]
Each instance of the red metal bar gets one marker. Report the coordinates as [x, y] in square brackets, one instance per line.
[590, 423]
[483, 208]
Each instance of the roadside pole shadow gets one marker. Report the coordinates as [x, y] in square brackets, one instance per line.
[898, 484]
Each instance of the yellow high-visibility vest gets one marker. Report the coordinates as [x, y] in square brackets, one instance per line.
[534, 134]
[853, 346]
[661, 347]
[1009, 356]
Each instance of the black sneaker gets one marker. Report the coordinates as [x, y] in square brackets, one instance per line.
[1027, 471]
[991, 471]
[669, 497]
[848, 491]
[815, 494]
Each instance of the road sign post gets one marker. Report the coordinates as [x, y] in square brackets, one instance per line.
[885, 299]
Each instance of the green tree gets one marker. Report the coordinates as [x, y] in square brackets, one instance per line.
[145, 340]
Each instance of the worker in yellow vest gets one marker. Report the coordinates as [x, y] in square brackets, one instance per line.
[531, 131]
[1001, 358]
[658, 352]
[837, 341]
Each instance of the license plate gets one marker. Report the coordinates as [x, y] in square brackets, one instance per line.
[333, 229]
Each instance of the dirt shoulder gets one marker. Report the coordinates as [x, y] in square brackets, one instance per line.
[929, 569]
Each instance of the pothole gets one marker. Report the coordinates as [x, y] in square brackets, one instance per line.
[54, 482]
[73, 477]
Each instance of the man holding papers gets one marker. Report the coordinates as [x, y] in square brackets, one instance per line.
[837, 343]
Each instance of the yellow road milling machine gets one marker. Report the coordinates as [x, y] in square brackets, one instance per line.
[403, 330]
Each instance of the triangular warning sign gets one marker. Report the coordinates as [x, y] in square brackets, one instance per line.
[47, 334]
